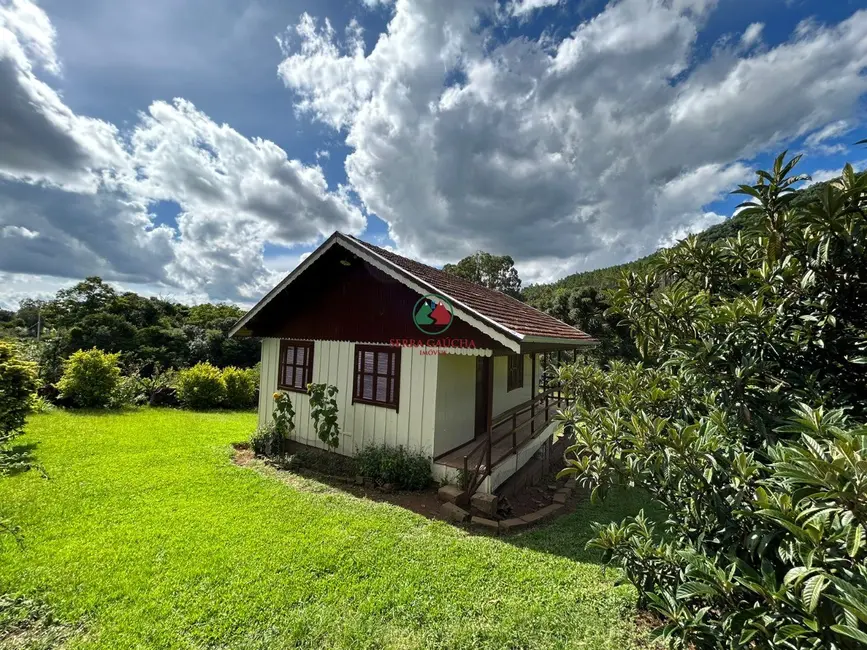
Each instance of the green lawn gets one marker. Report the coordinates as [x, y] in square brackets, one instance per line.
[147, 534]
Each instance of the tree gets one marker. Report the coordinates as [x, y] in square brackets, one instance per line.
[587, 308]
[17, 386]
[146, 332]
[492, 271]
[86, 298]
[746, 426]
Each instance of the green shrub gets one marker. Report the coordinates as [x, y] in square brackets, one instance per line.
[42, 405]
[158, 389]
[129, 392]
[17, 386]
[90, 378]
[405, 470]
[266, 441]
[240, 387]
[762, 542]
[201, 387]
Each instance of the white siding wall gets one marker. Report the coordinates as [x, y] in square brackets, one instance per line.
[412, 425]
[455, 402]
[505, 399]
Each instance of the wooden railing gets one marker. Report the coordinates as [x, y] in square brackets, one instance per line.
[478, 462]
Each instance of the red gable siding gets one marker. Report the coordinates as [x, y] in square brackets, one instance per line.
[340, 297]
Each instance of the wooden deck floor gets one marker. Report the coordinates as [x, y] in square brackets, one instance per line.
[501, 449]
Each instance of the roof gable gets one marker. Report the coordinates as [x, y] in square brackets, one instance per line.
[495, 314]
[510, 313]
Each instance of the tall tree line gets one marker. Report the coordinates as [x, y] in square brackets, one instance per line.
[149, 333]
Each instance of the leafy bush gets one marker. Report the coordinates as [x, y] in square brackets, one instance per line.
[240, 387]
[266, 441]
[201, 387]
[158, 389]
[129, 392]
[42, 405]
[284, 414]
[17, 385]
[90, 378]
[323, 410]
[397, 466]
[762, 541]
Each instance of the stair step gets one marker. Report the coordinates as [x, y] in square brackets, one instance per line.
[450, 493]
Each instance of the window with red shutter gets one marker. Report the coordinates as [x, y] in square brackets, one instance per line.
[376, 375]
[296, 365]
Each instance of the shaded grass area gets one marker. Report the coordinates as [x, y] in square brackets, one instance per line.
[148, 533]
[28, 625]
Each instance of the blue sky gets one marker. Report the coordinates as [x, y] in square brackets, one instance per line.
[197, 149]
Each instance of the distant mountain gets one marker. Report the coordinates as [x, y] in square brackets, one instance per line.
[608, 277]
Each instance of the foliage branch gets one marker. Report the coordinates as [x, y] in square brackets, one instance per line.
[745, 423]
[323, 410]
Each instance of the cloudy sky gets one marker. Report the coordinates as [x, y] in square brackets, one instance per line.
[197, 149]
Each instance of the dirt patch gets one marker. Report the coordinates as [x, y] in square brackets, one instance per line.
[524, 502]
[424, 503]
[645, 622]
[531, 498]
[29, 625]
[243, 456]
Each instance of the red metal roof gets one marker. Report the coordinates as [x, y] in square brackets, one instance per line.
[503, 310]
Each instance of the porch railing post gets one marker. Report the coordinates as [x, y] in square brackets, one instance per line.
[515, 432]
[535, 394]
[488, 449]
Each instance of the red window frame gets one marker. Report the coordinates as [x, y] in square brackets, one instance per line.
[294, 365]
[384, 373]
[515, 376]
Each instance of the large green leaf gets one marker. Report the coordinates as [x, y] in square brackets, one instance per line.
[812, 591]
[851, 632]
[854, 539]
[692, 589]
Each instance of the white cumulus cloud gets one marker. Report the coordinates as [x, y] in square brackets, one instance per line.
[569, 153]
[78, 193]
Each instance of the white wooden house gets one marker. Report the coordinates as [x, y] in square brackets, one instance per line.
[421, 359]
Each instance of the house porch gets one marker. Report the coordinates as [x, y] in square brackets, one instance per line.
[514, 436]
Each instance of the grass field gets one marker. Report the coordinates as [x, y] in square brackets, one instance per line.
[149, 537]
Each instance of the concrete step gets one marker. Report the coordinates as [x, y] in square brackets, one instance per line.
[450, 494]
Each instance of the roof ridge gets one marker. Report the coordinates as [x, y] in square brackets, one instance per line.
[468, 283]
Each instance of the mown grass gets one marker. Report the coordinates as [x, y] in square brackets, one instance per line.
[147, 535]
